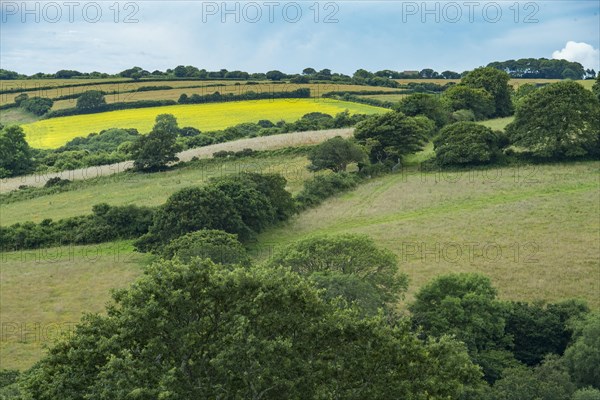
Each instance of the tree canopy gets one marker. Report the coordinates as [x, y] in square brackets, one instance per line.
[15, 153]
[335, 154]
[464, 143]
[198, 330]
[495, 82]
[559, 120]
[155, 150]
[392, 135]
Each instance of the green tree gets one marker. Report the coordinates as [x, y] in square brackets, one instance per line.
[392, 135]
[350, 255]
[495, 82]
[538, 330]
[197, 330]
[91, 100]
[583, 355]
[218, 246]
[275, 75]
[15, 153]
[466, 143]
[465, 305]
[335, 154]
[559, 120]
[461, 97]
[596, 87]
[37, 105]
[587, 394]
[548, 381]
[427, 105]
[155, 150]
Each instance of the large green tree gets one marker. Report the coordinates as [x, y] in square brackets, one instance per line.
[465, 305]
[596, 87]
[335, 154]
[15, 153]
[199, 331]
[390, 136]
[462, 97]
[465, 143]
[495, 82]
[155, 150]
[559, 120]
[90, 100]
[349, 265]
[583, 355]
[427, 105]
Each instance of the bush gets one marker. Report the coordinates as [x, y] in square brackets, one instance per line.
[37, 105]
[466, 143]
[56, 181]
[324, 186]
[218, 246]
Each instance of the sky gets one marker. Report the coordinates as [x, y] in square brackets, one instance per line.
[257, 36]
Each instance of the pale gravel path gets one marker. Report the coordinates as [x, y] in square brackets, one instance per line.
[257, 143]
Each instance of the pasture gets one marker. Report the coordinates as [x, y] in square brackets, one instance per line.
[528, 228]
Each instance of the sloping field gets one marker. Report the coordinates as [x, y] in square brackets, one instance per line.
[54, 132]
[534, 230]
[44, 293]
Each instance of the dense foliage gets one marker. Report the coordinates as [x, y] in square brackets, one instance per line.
[495, 82]
[15, 154]
[540, 68]
[560, 120]
[106, 223]
[466, 143]
[350, 266]
[242, 204]
[335, 154]
[198, 330]
[158, 148]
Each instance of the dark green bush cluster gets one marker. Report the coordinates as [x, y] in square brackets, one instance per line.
[217, 97]
[321, 187]
[37, 105]
[106, 223]
[243, 204]
[107, 147]
[151, 88]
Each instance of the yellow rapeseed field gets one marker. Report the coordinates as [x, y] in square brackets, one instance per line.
[55, 132]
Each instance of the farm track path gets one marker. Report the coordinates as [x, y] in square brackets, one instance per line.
[258, 143]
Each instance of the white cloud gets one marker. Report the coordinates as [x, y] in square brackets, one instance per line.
[581, 52]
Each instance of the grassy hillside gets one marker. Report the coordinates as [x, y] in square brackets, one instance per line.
[55, 132]
[533, 230]
[45, 292]
[146, 189]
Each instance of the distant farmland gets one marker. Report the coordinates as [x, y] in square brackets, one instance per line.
[55, 132]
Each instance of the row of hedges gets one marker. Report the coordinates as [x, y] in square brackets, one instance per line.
[363, 100]
[111, 107]
[218, 97]
[107, 223]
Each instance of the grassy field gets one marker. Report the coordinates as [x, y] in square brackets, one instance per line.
[125, 90]
[534, 230]
[17, 116]
[146, 189]
[44, 293]
[55, 132]
[497, 123]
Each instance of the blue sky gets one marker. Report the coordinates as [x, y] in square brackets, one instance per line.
[289, 36]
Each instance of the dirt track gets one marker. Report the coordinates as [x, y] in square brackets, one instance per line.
[258, 143]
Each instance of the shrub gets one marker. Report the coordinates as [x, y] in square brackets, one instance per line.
[218, 246]
[37, 105]
[56, 181]
[90, 100]
[466, 143]
[335, 154]
[322, 187]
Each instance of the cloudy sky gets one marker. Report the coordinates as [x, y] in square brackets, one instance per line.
[257, 36]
